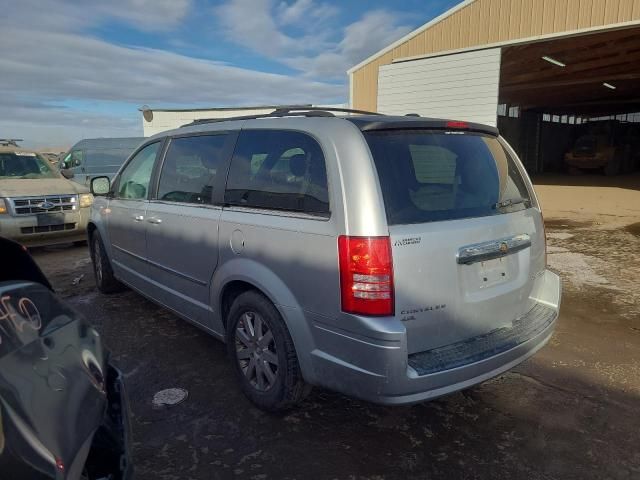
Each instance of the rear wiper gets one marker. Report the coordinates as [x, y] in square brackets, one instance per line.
[509, 202]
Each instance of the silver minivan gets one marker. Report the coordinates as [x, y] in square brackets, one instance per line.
[394, 259]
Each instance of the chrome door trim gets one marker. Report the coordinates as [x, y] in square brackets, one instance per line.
[501, 247]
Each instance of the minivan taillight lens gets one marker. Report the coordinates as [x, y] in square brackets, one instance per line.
[366, 275]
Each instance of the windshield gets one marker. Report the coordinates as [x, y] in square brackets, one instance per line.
[25, 165]
[429, 176]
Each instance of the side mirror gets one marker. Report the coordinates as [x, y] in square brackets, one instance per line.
[67, 173]
[100, 186]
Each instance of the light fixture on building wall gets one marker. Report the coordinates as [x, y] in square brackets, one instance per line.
[608, 85]
[554, 61]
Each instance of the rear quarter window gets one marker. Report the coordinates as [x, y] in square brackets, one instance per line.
[430, 176]
[278, 170]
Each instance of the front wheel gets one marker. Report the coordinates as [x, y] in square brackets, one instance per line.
[263, 355]
[105, 280]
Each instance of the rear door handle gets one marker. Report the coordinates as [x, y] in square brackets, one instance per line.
[138, 218]
[155, 220]
[480, 252]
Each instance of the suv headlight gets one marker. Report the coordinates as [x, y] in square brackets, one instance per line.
[86, 200]
[3, 206]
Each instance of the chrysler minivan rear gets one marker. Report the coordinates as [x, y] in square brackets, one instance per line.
[462, 274]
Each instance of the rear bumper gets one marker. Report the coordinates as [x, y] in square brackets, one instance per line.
[376, 367]
[26, 230]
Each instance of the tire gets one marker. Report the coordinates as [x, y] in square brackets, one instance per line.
[102, 271]
[266, 365]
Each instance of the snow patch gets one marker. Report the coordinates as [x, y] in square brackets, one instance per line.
[559, 235]
[578, 269]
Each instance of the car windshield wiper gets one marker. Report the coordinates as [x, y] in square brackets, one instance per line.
[510, 201]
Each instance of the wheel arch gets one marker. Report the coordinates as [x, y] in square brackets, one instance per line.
[240, 275]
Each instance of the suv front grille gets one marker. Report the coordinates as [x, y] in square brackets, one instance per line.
[47, 228]
[55, 203]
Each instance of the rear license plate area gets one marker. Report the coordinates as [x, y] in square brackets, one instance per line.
[492, 272]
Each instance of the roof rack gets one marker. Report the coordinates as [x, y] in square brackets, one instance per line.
[286, 111]
[10, 142]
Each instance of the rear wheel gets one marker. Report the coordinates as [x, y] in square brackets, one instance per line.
[263, 355]
[105, 280]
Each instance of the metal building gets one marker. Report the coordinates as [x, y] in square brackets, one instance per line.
[535, 68]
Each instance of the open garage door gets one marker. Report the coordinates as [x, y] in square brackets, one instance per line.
[572, 105]
[462, 86]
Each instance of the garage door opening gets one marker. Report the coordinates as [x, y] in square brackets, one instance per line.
[572, 105]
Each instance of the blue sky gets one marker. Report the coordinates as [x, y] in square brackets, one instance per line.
[74, 69]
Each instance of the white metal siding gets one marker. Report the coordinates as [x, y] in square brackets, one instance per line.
[168, 120]
[463, 86]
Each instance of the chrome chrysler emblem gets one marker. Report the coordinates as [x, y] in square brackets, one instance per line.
[47, 205]
[504, 248]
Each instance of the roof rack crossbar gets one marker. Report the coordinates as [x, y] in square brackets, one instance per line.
[325, 109]
[285, 111]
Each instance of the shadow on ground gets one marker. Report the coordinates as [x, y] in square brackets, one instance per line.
[570, 412]
[535, 422]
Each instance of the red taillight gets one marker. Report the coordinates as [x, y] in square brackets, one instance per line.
[366, 275]
[457, 124]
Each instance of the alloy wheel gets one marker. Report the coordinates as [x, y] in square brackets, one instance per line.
[256, 351]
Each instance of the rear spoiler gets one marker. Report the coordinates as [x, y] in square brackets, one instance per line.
[413, 123]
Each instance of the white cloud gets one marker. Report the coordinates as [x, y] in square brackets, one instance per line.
[61, 65]
[48, 60]
[78, 14]
[267, 28]
[58, 65]
[253, 24]
[304, 11]
[357, 43]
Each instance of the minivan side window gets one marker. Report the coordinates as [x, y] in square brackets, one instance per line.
[190, 168]
[134, 180]
[278, 170]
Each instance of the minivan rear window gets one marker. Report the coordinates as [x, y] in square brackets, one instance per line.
[428, 176]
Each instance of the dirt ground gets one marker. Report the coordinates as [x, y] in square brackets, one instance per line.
[570, 412]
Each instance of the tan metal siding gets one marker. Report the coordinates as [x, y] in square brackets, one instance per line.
[486, 22]
[584, 16]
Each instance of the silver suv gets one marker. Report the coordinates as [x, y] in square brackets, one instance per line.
[394, 259]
